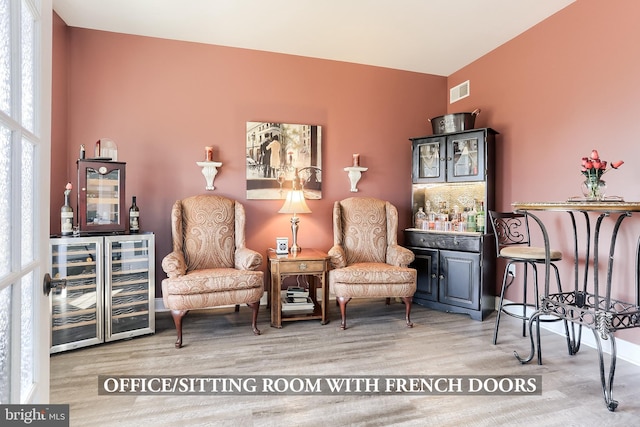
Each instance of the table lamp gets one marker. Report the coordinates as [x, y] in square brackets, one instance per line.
[295, 204]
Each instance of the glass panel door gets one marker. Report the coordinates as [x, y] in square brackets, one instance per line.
[76, 310]
[102, 197]
[466, 159]
[429, 160]
[130, 286]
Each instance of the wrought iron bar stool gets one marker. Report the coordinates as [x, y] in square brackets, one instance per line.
[513, 244]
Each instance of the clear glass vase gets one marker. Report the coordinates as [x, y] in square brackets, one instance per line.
[594, 188]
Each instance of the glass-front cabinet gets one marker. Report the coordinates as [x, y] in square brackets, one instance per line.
[449, 158]
[101, 204]
[453, 180]
[109, 292]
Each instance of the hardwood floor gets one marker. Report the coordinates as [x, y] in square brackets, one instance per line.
[220, 342]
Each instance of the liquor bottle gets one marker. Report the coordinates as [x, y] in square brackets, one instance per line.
[420, 219]
[462, 226]
[471, 218]
[455, 217]
[480, 218]
[134, 217]
[431, 217]
[66, 214]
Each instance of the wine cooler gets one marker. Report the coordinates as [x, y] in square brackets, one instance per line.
[110, 289]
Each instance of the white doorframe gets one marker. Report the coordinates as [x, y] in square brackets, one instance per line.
[25, 320]
[42, 311]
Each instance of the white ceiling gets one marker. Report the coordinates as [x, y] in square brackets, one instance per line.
[427, 36]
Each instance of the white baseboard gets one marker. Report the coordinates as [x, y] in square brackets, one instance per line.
[625, 350]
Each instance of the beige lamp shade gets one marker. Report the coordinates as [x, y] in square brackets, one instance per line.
[295, 203]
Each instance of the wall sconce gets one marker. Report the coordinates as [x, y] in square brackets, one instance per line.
[355, 172]
[295, 204]
[209, 168]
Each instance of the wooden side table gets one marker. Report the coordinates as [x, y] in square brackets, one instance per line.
[308, 262]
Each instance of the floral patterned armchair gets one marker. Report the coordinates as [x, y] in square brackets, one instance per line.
[366, 260]
[210, 265]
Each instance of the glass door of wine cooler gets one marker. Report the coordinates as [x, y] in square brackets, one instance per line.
[130, 286]
[76, 310]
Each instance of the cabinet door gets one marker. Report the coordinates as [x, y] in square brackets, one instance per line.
[76, 310]
[429, 160]
[426, 264]
[129, 286]
[460, 279]
[466, 157]
[101, 190]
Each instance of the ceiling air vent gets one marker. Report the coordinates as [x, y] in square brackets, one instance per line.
[458, 92]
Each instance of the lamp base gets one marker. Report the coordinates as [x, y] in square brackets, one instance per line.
[294, 231]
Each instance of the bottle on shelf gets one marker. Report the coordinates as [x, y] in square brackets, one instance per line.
[431, 217]
[420, 219]
[455, 217]
[462, 225]
[134, 217]
[66, 213]
[471, 218]
[480, 218]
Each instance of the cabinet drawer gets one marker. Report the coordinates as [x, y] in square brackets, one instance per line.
[451, 241]
[301, 266]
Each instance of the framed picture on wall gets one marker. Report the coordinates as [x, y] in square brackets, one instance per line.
[279, 154]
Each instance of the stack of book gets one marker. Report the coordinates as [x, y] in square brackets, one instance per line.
[296, 299]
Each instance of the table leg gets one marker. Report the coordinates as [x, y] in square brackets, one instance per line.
[325, 299]
[607, 383]
[573, 338]
[276, 308]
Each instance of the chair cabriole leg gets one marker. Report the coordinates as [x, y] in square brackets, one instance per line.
[407, 305]
[177, 320]
[255, 307]
[342, 301]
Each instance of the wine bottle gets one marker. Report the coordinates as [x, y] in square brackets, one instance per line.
[480, 218]
[134, 217]
[471, 218]
[66, 217]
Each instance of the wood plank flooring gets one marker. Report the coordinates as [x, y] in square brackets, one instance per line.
[220, 342]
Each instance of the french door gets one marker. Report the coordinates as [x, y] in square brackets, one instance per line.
[25, 144]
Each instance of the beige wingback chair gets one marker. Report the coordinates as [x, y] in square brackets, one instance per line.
[366, 260]
[210, 265]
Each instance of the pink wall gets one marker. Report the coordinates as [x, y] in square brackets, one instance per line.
[163, 101]
[563, 88]
[59, 146]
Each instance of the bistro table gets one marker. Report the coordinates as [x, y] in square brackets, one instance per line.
[589, 304]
